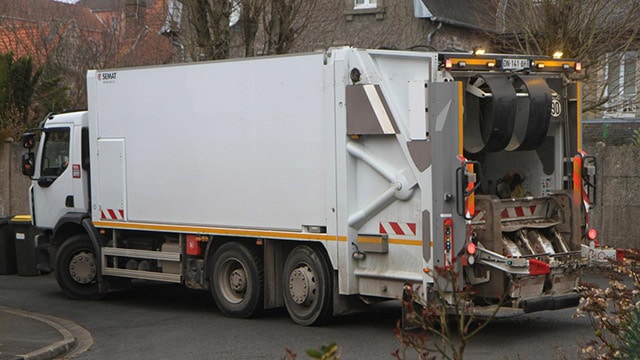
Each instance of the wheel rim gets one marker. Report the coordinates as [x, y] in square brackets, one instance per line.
[82, 267]
[303, 286]
[233, 280]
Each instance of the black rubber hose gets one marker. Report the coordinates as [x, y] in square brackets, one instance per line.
[489, 121]
[533, 113]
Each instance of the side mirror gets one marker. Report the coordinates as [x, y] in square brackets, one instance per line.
[28, 140]
[28, 164]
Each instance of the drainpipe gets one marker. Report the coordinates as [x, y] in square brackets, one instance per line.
[433, 32]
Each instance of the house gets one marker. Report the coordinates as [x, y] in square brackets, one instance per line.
[135, 28]
[91, 33]
[408, 24]
[37, 27]
[321, 24]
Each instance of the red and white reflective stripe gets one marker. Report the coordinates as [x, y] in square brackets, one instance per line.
[518, 211]
[112, 214]
[479, 216]
[508, 213]
[397, 228]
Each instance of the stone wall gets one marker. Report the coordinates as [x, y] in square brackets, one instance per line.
[14, 187]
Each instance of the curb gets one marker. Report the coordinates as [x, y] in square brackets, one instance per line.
[66, 328]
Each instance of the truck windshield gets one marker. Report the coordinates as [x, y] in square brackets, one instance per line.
[55, 155]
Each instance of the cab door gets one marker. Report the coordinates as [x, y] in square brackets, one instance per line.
[52, 187]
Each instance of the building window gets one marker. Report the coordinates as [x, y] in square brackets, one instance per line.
[622, 83]
[365, 4]
[364, 8]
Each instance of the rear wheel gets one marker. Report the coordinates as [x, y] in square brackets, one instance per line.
[76, 268]
[308, 286]
[237, 280]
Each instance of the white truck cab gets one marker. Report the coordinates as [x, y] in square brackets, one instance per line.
[61, 175]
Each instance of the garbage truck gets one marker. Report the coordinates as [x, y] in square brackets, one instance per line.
[321, 182]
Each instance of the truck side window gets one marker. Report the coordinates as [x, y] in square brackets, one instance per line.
[55, 156]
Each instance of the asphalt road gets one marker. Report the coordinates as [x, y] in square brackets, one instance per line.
[158, 321]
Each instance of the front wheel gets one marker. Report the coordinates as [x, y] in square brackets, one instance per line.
[76, 269]
[308, 286]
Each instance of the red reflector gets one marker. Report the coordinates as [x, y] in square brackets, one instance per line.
[75, 171]
[193, 245]
[537, 267]
[620, 254]
[592, 234]
[471, 248]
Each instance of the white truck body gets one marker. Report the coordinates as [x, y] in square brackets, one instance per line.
[319, 177]
[269, 170]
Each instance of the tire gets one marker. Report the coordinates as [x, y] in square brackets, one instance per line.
[76, 269]
[236, 279]
[308, 286]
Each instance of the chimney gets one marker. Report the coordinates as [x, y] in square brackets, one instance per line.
[135, 13]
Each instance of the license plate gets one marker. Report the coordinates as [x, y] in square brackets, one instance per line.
[515, 64]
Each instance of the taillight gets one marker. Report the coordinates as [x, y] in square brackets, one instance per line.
[471, 248]
[448, 64]
[193, 245]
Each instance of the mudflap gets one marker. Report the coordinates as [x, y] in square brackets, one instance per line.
[410, 308]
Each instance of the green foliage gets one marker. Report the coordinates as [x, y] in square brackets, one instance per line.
[27, 94]
[326, 352]
[51, 95]
[614, 313]
[630, 337]
[17, 85]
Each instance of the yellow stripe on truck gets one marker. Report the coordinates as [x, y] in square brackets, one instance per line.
[216, 231]
[234, 232]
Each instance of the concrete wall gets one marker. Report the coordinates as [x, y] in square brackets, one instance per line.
[14, 187]
[617, 212]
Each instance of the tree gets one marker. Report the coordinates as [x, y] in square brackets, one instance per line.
[65, 40]
[596, 32]
[284, 23]
[17, 84]
[206, 23]
[251, 12]
[219, 29]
